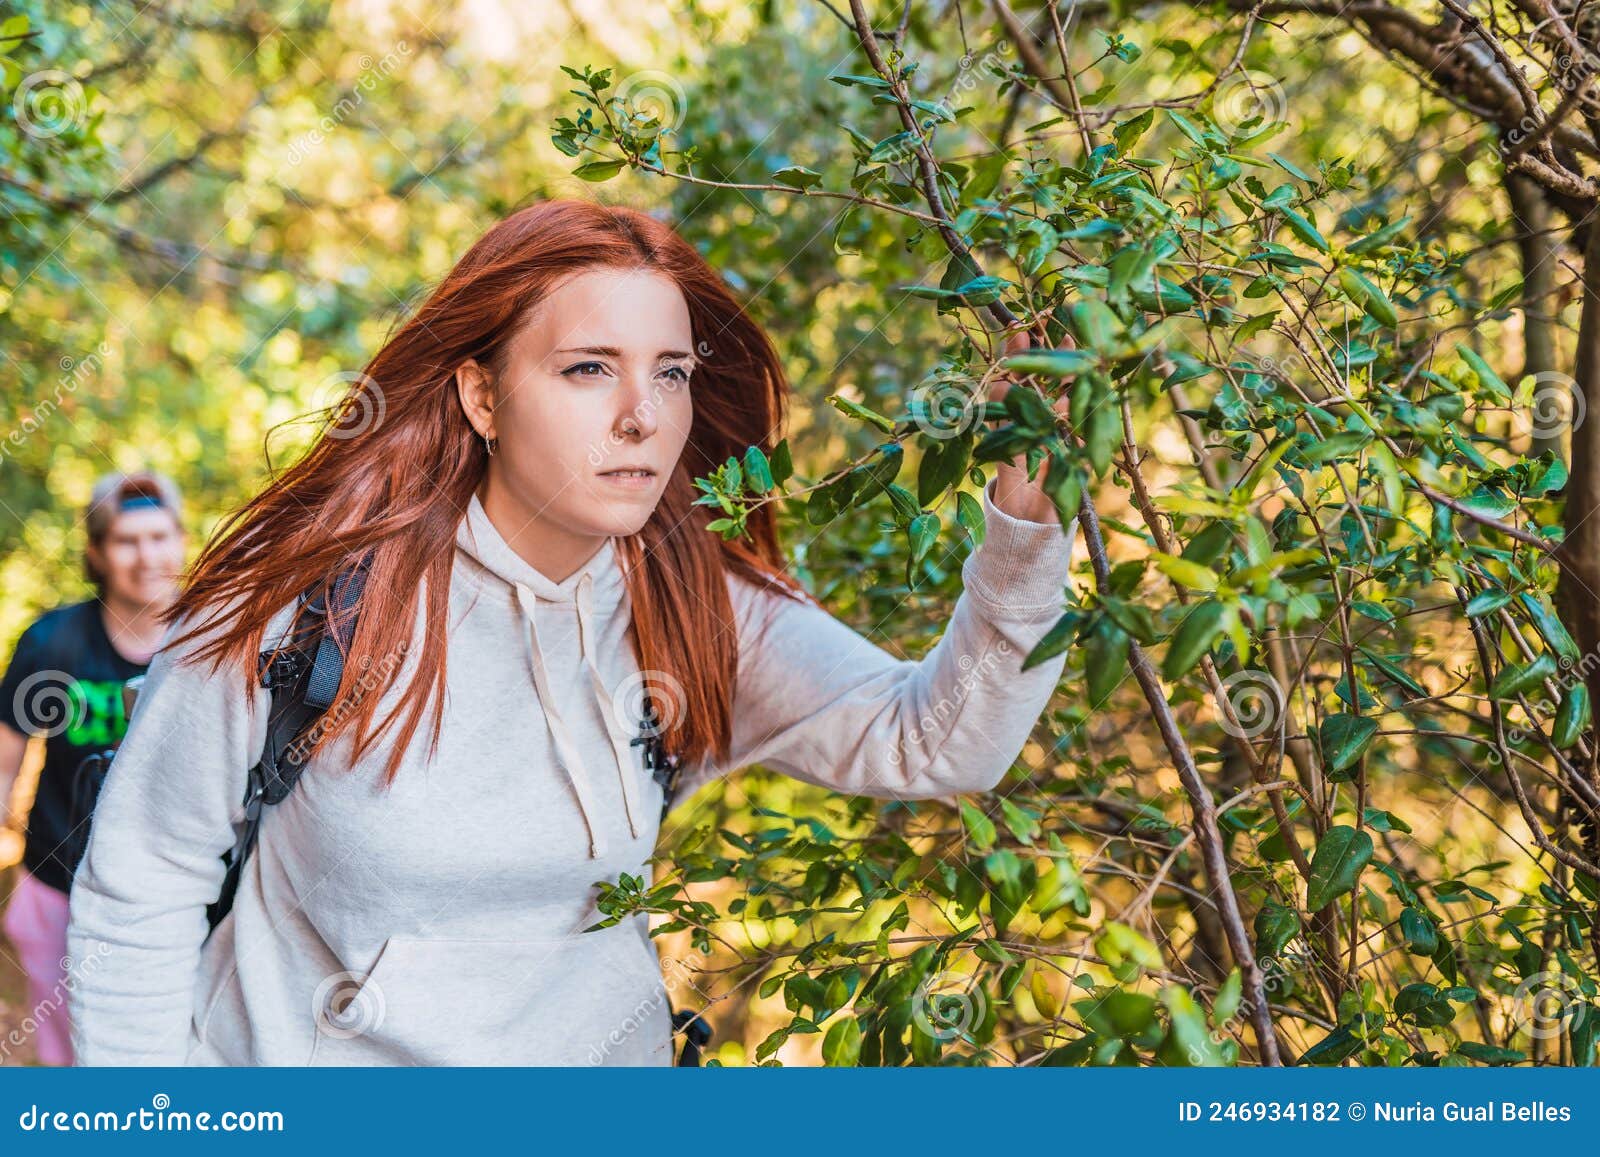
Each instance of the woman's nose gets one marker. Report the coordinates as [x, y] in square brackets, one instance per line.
[641, 415]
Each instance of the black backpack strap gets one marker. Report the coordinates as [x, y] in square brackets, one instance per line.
[303, 674]
[696, 1035]
[665, 767]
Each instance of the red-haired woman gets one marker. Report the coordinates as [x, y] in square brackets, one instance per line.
[519, 486]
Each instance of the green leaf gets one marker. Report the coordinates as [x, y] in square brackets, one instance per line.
[1055, 641]
[1186, 573]
[1125, 950]
[757, 471]
[1368, 296]
[1489, 1054]
[1192, 639]
[943, 463]
[1341, 445]
[782, 463]
[1105, 659]
[1486, 602]
[1275, 926]
[850, 81]
[1305, 229]
[1572, 716]
[1229, 993]
[980, 828]
[1336, 865]
[856, 410]
[1339, 1045]
[1519, 678]
[797, 177]
[1344, 738]
[598, 170]
[842, 1046]
[1422, 939]
[1381, 821]
[1379, 238]
[923, 532]
[1190, 1041]
[897, 147]
[1051, 363]
[1487, 378]
[969, 513]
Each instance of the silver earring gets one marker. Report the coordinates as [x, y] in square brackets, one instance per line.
[491, 444]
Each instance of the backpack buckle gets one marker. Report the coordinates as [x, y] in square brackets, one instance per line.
[282, 669]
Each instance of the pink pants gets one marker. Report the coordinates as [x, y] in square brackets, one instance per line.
[36, 925]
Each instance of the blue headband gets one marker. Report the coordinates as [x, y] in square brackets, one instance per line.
[134, 501]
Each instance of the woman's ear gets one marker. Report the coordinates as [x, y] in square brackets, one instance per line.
[476, 391]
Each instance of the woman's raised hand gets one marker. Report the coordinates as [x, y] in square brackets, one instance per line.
[1013, 492]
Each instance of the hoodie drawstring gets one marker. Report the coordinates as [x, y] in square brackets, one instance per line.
[566, 748]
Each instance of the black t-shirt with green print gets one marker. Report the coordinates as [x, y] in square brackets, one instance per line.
[65, 683]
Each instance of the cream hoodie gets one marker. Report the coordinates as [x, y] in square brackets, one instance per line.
[439, 921]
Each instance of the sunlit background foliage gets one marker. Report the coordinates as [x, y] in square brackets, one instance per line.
[1319, 783]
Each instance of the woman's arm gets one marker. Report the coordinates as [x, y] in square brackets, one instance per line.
[818, 701]
[162, 822]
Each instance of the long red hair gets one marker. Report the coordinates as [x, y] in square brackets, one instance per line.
[394, 491]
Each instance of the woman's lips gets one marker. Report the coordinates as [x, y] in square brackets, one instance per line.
[631, 481]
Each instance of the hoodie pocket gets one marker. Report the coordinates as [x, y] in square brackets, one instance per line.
[586, 999]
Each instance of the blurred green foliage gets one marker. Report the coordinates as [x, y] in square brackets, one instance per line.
[1279, 299]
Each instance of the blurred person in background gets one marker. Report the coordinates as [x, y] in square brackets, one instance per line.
[64, 684]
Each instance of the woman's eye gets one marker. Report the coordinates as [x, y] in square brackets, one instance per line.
[676, 373]
[582, 368]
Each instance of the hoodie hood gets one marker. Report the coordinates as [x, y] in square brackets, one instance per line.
[587, 599]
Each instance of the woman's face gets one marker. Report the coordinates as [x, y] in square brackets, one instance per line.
[594, 382]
